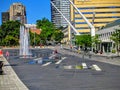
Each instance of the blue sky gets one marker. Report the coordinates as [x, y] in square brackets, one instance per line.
[35, 9]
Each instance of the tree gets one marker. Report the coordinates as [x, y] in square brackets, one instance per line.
[95, 41]
[9, 33]
[83, 40]
[57, 36]
[34, 39]
[116, 38]
[86, 40]
[48, 31]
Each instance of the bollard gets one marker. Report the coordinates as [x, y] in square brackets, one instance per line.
[83, 57]
[90, 55]
[1, 65]
[1, 52]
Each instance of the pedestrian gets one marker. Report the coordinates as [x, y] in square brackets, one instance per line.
[55, 51]
[71, 47]
[61, 46]
[7, 54]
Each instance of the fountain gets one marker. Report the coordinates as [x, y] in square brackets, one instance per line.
[24, 41]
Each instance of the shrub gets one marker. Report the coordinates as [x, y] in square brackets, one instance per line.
[113, 51]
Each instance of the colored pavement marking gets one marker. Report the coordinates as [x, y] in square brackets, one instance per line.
[46, 64]
[84, 65]
[96, 67]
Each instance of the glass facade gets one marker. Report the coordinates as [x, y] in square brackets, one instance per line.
[64, 7]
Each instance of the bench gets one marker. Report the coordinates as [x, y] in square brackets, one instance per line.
[1, 65]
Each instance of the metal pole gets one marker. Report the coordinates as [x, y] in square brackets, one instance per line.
[34, 38]
[86, 20]
[93, 18]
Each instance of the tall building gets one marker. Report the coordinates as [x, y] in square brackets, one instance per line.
[98, 12]
[18, 12]
[5, 16]
[56, 17]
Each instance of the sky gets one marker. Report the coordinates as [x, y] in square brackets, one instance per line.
[35, 9]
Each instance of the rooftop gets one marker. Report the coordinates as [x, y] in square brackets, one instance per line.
[114, 23]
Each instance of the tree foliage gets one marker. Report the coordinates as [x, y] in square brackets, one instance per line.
[57, 36]
[116, 38]
[86, 40]
[49, 32]
[83, 40]
[95, 41]
[9, 33]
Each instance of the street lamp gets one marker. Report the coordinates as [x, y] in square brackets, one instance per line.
[34, 33]
[34, 38]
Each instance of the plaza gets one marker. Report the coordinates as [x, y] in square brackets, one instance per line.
[45, 55]
[19, 74]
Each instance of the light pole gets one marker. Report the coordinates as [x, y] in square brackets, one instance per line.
[92, 28]
[65, 19]
[86, 20]
[34, 38]
[34, 34]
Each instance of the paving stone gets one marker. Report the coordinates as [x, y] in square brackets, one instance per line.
[10, 81]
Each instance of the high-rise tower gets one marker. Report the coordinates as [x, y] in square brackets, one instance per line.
[18, 12]
[56, 17]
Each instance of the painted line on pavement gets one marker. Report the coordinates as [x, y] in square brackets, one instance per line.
[96, 67]
[84, 65]
[46, 64]
[37, 58]
[60, 60]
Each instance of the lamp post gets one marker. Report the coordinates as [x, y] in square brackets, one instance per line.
[92, 28]
[34, 38]
[34, 34]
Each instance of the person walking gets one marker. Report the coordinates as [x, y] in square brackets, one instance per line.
[7, 55]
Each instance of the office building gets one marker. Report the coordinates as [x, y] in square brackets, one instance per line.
[107, 44]
[56, 17]
[98, 12]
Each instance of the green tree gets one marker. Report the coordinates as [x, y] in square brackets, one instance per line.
[49, 32]
[95, 41]
[57, 36]
[83, 40]
[47, 29]
[116, 38]
[9, 33]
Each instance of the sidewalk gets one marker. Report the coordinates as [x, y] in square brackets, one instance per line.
[105, 57]
[10, 81]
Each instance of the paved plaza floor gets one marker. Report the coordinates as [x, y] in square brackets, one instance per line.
[9, 80]
[51, 78]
